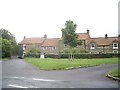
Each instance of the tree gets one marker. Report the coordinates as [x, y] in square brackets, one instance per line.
[6, 48]
[9, 44]
[6, 34]
[69, 35]
[33, 50]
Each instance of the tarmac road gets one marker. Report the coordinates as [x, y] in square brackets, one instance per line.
[17, 73]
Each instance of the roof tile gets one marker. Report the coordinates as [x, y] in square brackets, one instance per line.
[103, 40]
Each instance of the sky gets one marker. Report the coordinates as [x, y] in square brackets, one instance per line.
[34, 18]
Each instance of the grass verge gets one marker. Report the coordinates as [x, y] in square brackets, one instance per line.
[4, 58]
[60, 64]
[115, 72]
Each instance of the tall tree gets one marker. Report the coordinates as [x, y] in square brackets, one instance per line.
[6, 34]
[9, 44]
[6, 48]
[69, 35]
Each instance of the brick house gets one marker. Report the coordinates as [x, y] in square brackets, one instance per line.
[103, 44]
[50, 46]
[55, 45]
[44, 44]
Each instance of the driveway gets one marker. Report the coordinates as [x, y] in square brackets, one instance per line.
[17, 73]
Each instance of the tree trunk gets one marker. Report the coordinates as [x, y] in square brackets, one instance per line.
[71, 54]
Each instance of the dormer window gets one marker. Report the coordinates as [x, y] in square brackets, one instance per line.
[92, 46]
[115, 45]
[24, 46]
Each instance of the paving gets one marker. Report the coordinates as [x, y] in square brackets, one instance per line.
[16, 73]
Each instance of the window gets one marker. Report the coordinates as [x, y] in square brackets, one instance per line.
[65, 45]
[115, 51]
[91, 52]
[43, 48]
[53, 48]
[24, 46]
[115, 45]
[92, 46]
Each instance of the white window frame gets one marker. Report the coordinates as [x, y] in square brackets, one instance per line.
[91, 47]
[114, 46]
[24, 47]
[115, 51]
[43, 48]
[53, 48]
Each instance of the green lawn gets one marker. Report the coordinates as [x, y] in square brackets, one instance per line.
[58, 64]
[115, 72]
[4, 58]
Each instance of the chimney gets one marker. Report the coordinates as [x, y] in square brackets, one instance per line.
[24, 37]
[106, 35]
[45, 36]
[88, 31]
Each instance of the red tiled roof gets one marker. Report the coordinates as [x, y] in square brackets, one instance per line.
[83, 36]
[33, 40]
[103, 40]
[51, 42]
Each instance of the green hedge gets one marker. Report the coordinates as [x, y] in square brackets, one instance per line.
[52, 56]
[77, 56]
[35, 55]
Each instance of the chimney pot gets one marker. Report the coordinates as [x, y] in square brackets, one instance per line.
[88, 31]
[24, 37]
[106, 35]
[45, 36]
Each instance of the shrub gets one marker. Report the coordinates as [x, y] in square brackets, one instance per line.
[77, 56]
[33, 50]
[74, 50]
[35, 55]
[52, 56]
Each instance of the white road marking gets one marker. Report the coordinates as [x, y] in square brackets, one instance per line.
[42, 80]
[16, 86]
[36, 79]
[33, 87]
[18, 77]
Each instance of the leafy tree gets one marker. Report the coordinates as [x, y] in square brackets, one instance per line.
[74, 50]
[69, 35]
[9, 44]
[6, 34]
[0, 47]
[33, 50]
[6, 48]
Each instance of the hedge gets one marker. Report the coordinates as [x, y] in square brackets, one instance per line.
[77, 56]
[35, 55]
[52, 56]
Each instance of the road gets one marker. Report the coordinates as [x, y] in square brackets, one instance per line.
[17, 73]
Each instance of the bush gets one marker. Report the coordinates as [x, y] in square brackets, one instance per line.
[74, 50]
[52, 56]
[35, 55]
[77, 56]
[33, 50]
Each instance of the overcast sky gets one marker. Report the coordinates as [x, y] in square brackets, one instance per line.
[34, 18]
